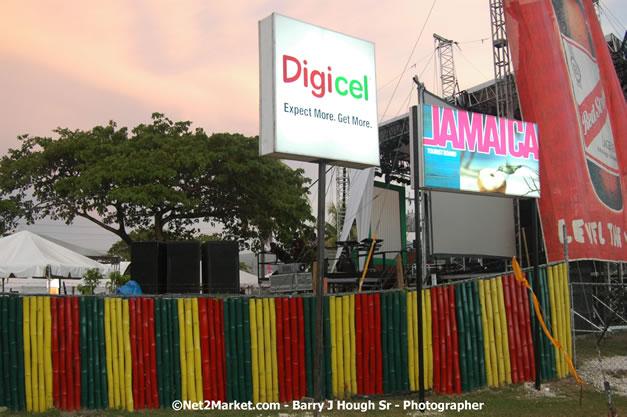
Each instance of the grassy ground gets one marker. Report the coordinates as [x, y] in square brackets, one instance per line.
[555, 399]
[612, 344]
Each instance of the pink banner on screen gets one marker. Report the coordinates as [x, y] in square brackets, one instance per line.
[568, 86]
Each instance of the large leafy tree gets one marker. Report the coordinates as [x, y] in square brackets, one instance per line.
[161, 176]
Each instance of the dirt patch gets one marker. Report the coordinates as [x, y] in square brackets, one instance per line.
[614, 368]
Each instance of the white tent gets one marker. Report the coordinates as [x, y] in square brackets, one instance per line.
[25, 254]
[246, 279]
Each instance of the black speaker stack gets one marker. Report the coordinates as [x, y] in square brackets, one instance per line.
[175, 267]
[220, 267]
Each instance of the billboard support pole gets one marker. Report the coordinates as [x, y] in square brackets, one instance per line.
[536, 286]
[319, 285]
[418, 129]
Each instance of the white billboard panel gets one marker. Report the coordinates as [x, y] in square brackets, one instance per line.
[318, 96]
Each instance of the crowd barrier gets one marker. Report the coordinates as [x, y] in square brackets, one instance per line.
[145, 352]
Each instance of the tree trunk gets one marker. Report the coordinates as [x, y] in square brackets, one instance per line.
[159, 228]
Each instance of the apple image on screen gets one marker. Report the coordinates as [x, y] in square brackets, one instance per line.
[491, 180]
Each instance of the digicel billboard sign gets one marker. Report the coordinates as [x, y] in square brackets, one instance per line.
[318, 96]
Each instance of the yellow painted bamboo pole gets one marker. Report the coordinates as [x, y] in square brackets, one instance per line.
[48, 353]
[410, 342]
[498, 336]
[486, 333]
[339, 325]
[491, 336]
[267, 348]
[569, 339]
[334, 349]
[108, 349]
[353, 353]
[414, 327]
[261, 360]
[128, 361]
[559, 331]
[40, 354]
[121, 365]
[563, 313]
[33, 358]
[554, 318]
[27, 355]
[115, 354]
[428, 337]
[180, 307]
[273, 352]
[254, 352]
[189, 351]
[346, 337]
[504, 331]
[197, 357]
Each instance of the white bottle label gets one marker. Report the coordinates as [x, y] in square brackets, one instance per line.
[591, 105]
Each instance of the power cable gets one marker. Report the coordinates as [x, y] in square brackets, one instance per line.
[409, 59]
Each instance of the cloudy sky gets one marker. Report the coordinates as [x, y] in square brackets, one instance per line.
[78, 64]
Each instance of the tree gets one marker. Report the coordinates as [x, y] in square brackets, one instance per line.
[331, 228]
[161, 176]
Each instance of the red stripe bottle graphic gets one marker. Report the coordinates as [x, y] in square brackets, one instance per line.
[589, 98]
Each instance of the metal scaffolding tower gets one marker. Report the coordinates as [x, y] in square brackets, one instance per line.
[450, 88]
[342, 184]
[502, 65]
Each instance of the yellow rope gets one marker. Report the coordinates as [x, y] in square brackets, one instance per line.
[361, 281]
[520, 278]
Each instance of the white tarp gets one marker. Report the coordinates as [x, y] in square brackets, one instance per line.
[358, 206]
[25, 254]
[246, 279]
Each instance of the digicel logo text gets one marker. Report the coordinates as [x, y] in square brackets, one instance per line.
[319, 83]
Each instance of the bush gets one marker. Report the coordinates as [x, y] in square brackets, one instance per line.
[91, 278]
[116, 280]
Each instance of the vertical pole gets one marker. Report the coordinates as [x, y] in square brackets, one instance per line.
[536, 287]
[417, 129]
[572, 304]
[319, 358]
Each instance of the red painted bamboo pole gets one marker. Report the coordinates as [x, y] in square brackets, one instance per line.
[133, 340]
[221, 350]
[532, 366]
[280, 342]
[204, 346]
[61, 320]
[374, 336]
[153, 354]
[287, 353]
[77, 353]
[213, 354]
[139, 340]
[294, 345]
[365, 354]
[378, 387]
[448, 336]
[511, 332]
[146, 349]
[69, 349]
